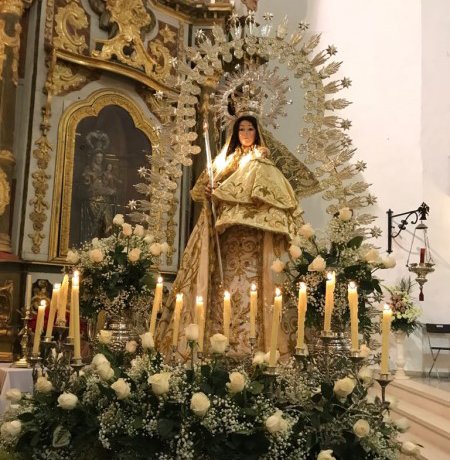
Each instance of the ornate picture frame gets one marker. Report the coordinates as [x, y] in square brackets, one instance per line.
[94, 178]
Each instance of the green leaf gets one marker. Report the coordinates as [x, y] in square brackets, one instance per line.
[256, 388]
[355, 242]
[61, 437]
[26, 417]
[167, 428]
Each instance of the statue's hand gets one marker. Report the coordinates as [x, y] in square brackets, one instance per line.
[208, 191]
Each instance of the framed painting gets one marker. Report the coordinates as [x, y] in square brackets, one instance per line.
[102, 141]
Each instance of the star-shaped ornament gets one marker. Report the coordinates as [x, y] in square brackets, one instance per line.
[132, 204]
[346, 124]
[331, 50]
[346, 82]
[268, 16]
[376, 232]
[371, 199]
[303, 26]
[142, 170]
[159, 95]
[173, 61]
[234, 17]
[360, 165]
[168, 35]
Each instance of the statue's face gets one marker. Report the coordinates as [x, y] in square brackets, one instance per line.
[98, 158]
[247, 133]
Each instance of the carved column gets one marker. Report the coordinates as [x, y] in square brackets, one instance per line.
[10, 14]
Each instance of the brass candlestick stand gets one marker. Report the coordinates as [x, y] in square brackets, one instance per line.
[301, 357]
[384, 380]
[23, 362]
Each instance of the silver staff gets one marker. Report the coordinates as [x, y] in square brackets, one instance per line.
[209, 166]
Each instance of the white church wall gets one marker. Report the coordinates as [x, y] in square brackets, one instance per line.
[380, 44]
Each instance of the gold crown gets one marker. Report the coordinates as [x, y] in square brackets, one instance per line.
[247, 101]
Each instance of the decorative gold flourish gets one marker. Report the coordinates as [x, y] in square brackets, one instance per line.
[49, 15]
[4, 191]
[13, 43]
[70, 20]
[127, 45]
[168, 35]
[14, 6]
[66, 78]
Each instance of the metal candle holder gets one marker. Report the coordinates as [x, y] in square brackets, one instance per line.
[384, 380]
[301, 357]
[24, 361]
[35, 360]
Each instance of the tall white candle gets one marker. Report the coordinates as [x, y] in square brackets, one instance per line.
[329, 301]
[353, 305]
[176, 319]
[157, 301]
[62, 301]
[28, 289]
[53, 308]
[75, 309]
[276, 317]
[200, 320]
[385, 333]
[226, 314]
[253, 310]
[301, 311]
[39, 327]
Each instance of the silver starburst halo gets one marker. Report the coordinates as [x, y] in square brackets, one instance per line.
[258, 91]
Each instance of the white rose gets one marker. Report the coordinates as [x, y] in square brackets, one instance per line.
[155, 249]
[118, 219]
[11, 428]
[165, 247]
[127, 229]
[200, 404]
[295, 251]
[276, 423]
[98, 359]
[105, 371]
[361, 428]
[130, 346]
[343, 387]
[43, 385]
[134, 255]
[267, 357]
[306, 231]
[14, 395]
[67, 401]
[277, 266]
[345, 214]
[326, 455]
[258, 359]
[219, 344]
[149, 238]
[72, 257]
[147, 341]
[402, 424]
[105, 336]
[365, 374]
[317, 265]
[236, 383]
[409, 448]
[389, 262]
[122, 389]
[160, 383]
[372, 256]
[96, 255]
[364, 350]
[138, 230]
[393, 402]
[191, 332]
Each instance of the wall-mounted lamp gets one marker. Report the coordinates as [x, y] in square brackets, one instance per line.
[426, 263]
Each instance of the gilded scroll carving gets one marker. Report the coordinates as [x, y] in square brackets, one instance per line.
[70, 21]
[12, 42]
[14, 6]
[4, 191]
[127, 46]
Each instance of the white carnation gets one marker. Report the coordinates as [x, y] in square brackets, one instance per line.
[361, 428]
[200, 404]
[343, 387]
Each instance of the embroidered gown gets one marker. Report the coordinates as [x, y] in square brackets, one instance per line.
[257, 215]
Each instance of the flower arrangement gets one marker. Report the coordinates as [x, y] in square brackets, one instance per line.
[405, 315]
[116, 270]
[130, 404]
[343, 250]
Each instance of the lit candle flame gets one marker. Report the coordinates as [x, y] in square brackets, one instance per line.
[43, 303]
[330, 276]
[160, 280]
[226, 295]
[253, 287]
[303, 286]
[180, 297]
[57, 286]
[352, 285]
[199, 299]
[277, 292]
[387, 307]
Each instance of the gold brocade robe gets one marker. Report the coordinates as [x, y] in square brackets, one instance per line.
[257, 214]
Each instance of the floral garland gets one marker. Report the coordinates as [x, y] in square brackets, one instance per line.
[131, 404]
